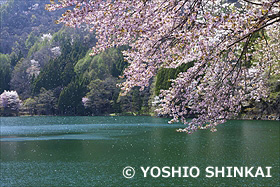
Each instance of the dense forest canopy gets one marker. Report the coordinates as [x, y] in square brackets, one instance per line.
[233, 47]
[48, 69]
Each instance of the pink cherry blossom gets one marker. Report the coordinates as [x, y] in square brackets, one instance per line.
[216, 36]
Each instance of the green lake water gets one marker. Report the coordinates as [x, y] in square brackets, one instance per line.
[93, 151]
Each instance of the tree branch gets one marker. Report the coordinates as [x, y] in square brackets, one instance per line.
[247, 35]
[253, 2]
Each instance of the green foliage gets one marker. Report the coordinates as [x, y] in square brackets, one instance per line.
[4, 8]
[108, 63]
[102, 96]
[60, 71]
[66, 34]
[5, 72]
[3, 12]
[136, 100]
[46, 102]
[252, 47]
[30, 105]
[48, 78]
[70, 99]
[63, 79]
[274, 83]
[19, 18]
[83, 64]
[166, 74]
[36, 45]
[20, 79]
[60, 36]
[32, 38]
[33, 18]
[15, 58]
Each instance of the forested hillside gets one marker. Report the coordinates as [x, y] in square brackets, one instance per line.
[49, 67]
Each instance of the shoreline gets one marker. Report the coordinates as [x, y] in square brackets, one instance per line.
[271, 117]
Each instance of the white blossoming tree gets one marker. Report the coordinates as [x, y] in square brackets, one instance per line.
[223, 41]
[9, 103]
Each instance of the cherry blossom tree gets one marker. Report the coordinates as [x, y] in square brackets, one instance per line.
[10, 103]
[228, 44]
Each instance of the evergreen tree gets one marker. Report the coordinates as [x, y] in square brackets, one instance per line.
[70, 99]
[5, 72]
[46, 102]
[102, 97]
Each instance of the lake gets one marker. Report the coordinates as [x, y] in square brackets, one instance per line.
[93, 151]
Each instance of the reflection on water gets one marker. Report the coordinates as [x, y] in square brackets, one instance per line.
[60, 137]
[88, 151]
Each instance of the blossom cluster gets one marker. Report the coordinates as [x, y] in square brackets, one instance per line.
[85, 102]
[34, 69]
[217, 37]
[10, 100]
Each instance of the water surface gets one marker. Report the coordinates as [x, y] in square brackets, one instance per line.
[92, 151]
